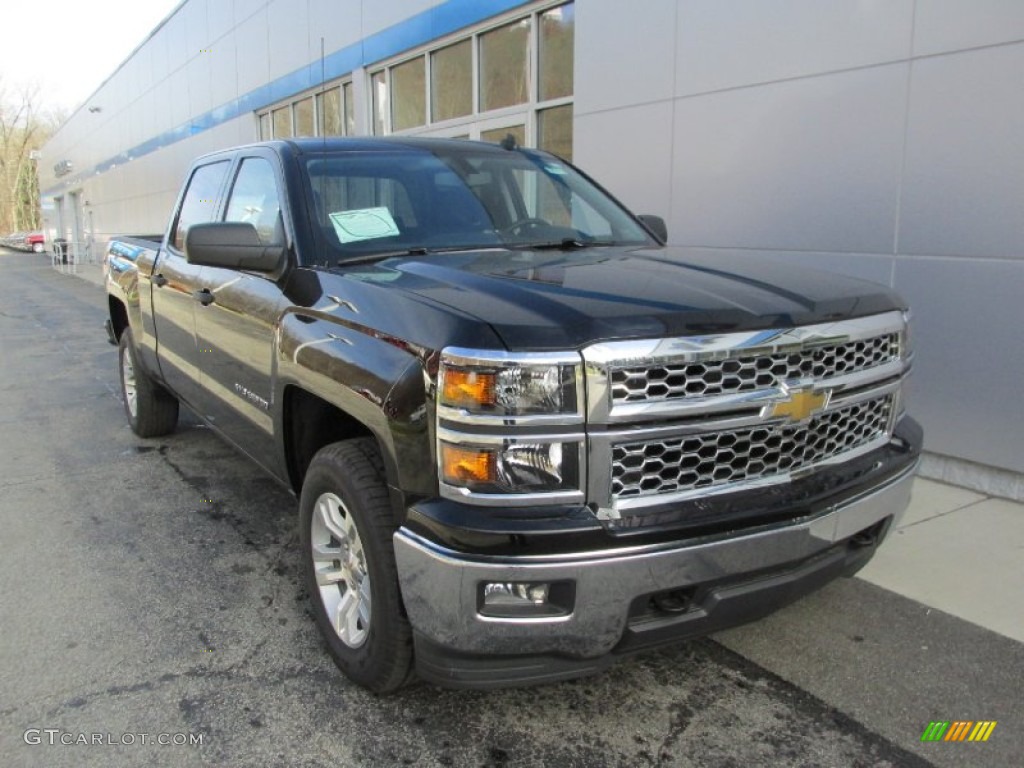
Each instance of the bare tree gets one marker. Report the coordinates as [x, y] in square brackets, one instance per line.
[24, 127]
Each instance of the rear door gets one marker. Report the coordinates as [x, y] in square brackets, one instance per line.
[175, 282]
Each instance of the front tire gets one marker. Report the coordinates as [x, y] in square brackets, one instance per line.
[151, 410]
[349, 565]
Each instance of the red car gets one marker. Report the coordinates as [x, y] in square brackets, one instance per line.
[35, 242]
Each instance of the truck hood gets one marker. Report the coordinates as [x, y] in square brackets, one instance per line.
[538, 300]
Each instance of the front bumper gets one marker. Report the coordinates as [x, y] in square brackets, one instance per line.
[728, 580]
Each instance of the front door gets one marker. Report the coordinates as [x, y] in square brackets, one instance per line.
[235, 325]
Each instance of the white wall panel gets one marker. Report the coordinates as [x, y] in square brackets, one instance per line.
[288, 22]
[159, 46]
[339, 22]
[177, 94]
[199, 72]
[968, 316]
[725, 45]
[810, 164]
[624, 53]
[251, 52]
[964, 188]
[223, 72]
[179, 44]
[628, 151]
[220, 18]
[948, 25]
[378, 16]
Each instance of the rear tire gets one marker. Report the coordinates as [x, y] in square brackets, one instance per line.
[151, 410]
[349, 565]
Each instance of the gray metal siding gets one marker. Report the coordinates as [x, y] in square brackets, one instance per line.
[877, 139]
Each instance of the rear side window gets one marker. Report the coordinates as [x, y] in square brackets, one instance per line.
[200, 201]
[255, 200]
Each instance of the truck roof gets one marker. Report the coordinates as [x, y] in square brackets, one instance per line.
[366, 143]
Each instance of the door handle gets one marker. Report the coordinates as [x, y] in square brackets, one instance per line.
[159, 281]
[204, 297]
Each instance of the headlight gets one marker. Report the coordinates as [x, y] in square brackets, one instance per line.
[509, 466]
[510, 426]
[502, 385]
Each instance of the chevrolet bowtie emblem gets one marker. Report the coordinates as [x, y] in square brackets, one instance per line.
[800, 406]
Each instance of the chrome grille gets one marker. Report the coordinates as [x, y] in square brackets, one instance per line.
[680, 380]
[692, 462]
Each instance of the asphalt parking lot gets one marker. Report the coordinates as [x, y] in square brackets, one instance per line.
[149, 589]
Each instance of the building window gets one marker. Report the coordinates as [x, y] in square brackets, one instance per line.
[451, 82]
[505, 66]
[557, 32]
[554, 130]
[409, 95]
[379, 87]
[328, 110]
[304, 117]
[350, 111]
[325, 112]
[514, 76]
[282, 123]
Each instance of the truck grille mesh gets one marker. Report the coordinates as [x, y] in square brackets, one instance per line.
[673, 381]
[719, 458]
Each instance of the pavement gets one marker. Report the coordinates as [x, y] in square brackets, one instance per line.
[152, 587]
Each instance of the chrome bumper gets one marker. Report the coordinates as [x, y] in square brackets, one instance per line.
[440, 587]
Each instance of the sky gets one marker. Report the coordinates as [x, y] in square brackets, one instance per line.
[69, 47]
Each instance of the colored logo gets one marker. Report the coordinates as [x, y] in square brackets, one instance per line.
[958, 730]
[799, 406]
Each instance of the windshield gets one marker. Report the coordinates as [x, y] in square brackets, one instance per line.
[377, 202]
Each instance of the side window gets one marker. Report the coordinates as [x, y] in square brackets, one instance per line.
[200, 199]
[255, 199]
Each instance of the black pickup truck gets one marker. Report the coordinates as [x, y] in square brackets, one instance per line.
[526, 435]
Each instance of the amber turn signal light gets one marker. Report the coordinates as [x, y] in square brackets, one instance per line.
[467, 466]
[468, 389]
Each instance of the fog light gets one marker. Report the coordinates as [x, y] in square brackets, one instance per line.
[526, 599]
[516, 593]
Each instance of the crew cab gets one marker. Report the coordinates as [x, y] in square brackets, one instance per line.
[526, 435]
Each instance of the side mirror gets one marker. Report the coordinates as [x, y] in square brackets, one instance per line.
[656, 226]
[231, 244]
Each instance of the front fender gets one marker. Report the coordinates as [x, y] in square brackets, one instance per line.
[375, 379]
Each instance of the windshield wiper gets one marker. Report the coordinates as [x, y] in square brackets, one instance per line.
[565, 244]
[369, 258]
[417, 251]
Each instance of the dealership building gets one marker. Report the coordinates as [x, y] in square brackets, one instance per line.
[877, 139]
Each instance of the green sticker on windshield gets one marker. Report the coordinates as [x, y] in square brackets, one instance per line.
[363, 224]
[555, 170]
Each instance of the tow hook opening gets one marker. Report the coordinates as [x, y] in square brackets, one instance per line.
[673, 600]
[869, 537]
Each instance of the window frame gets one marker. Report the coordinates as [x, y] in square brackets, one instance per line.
[292, 103]
[477, 121]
